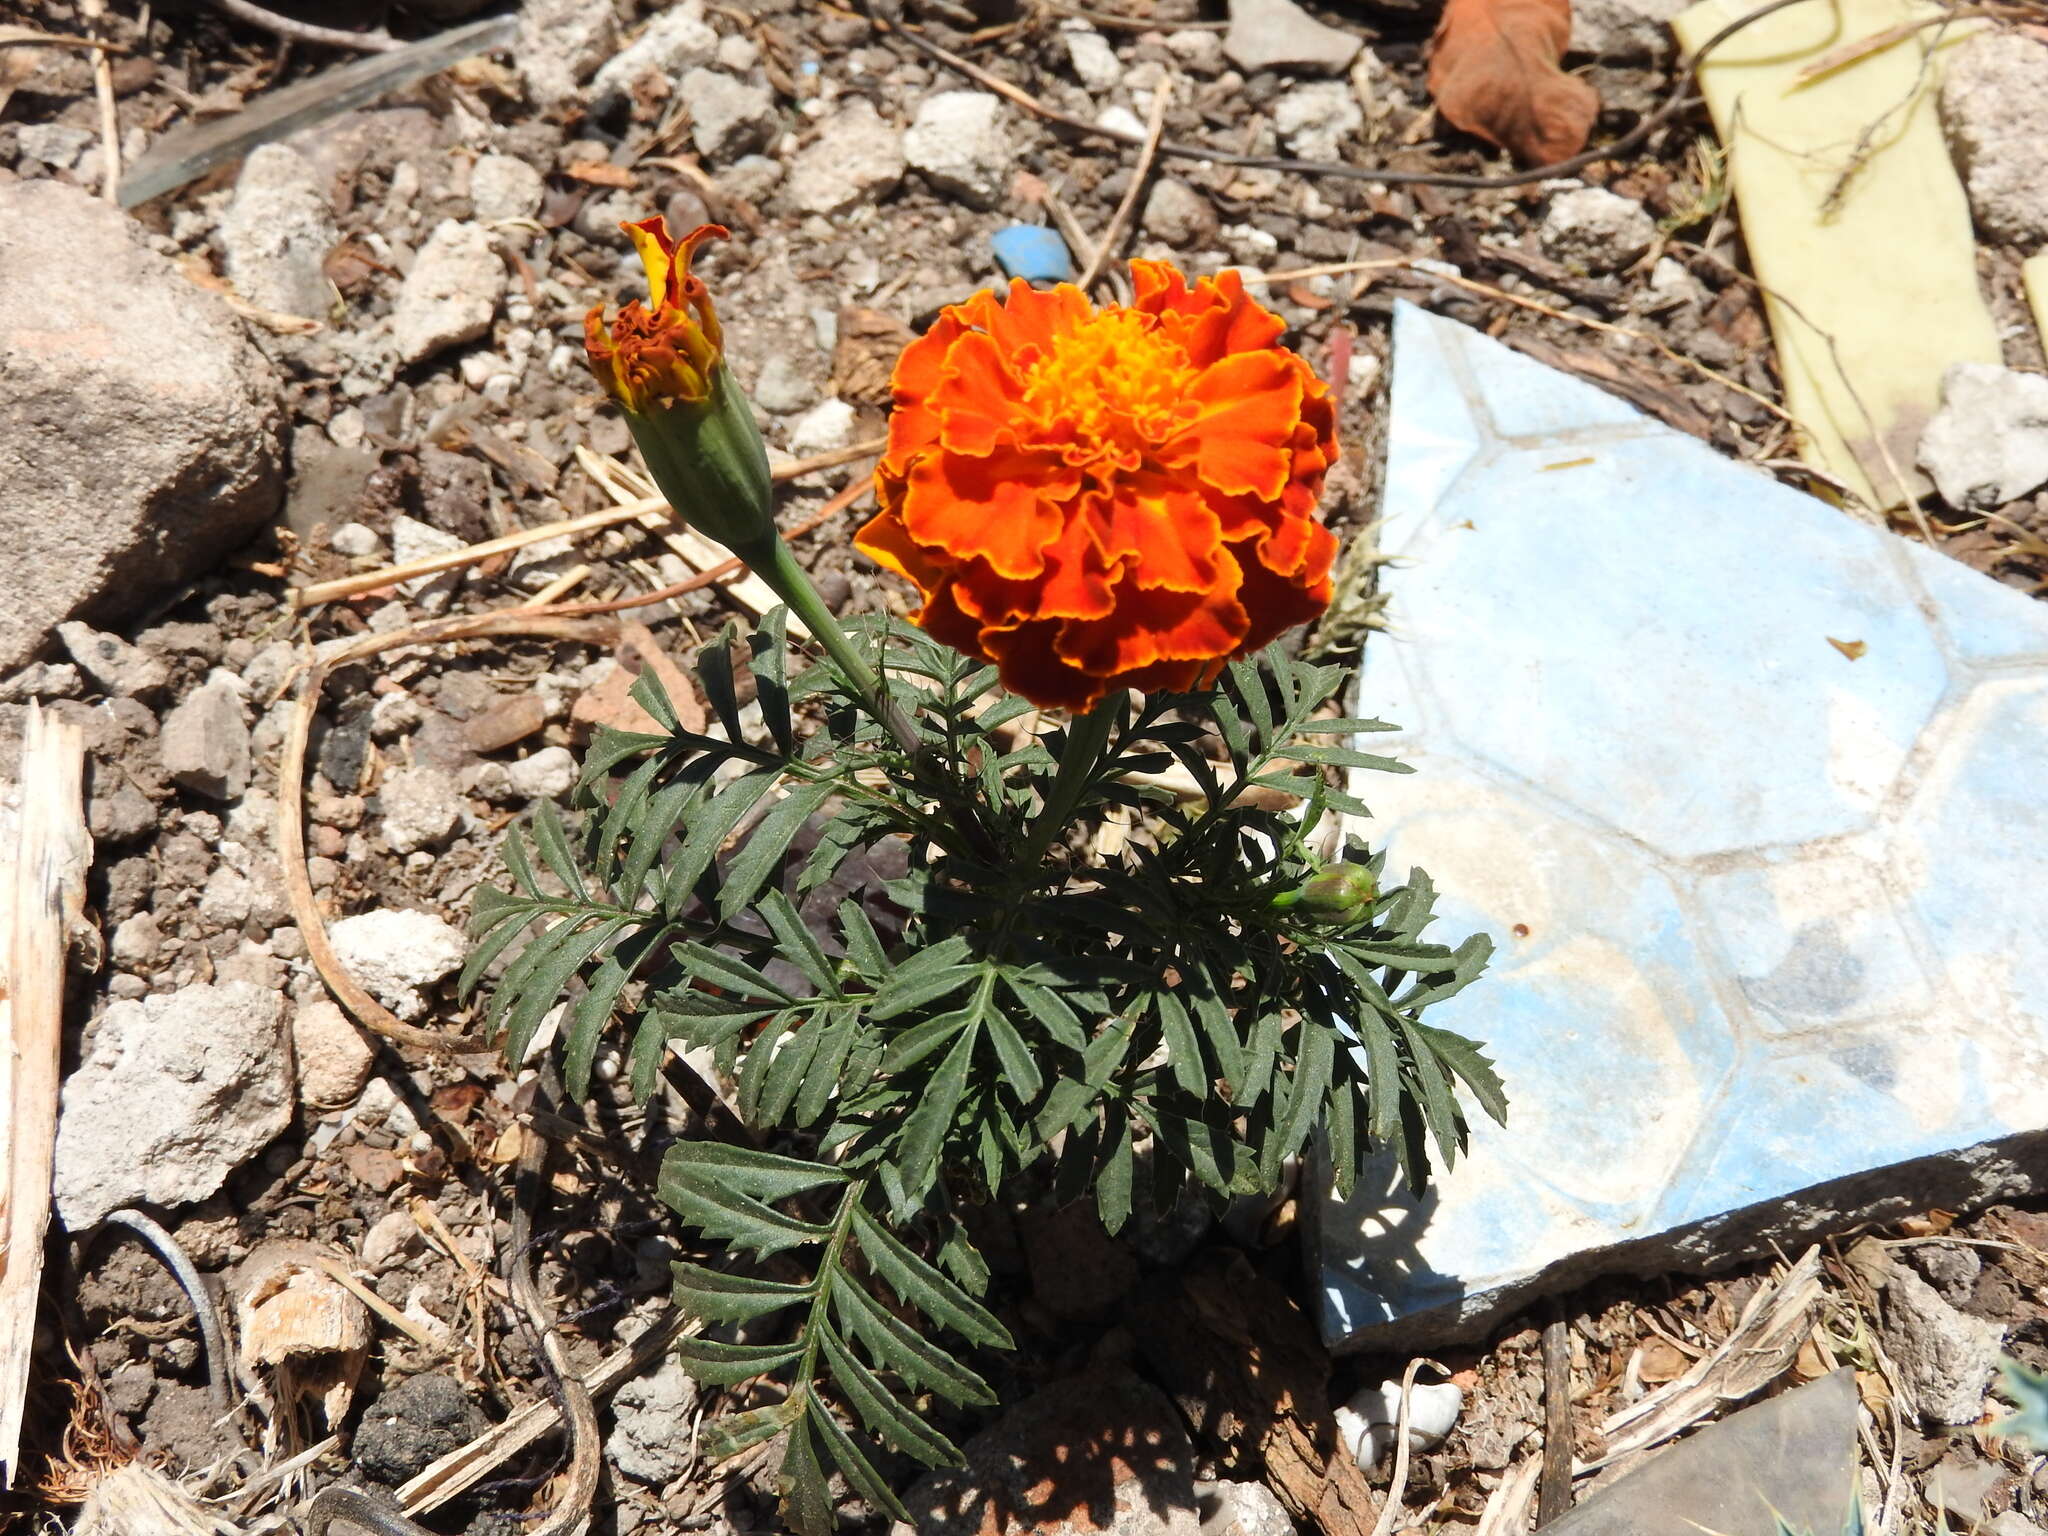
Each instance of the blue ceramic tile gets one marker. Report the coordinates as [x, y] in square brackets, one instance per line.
[1747, 794]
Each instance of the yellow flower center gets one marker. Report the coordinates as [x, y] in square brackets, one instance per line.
[1114, 382]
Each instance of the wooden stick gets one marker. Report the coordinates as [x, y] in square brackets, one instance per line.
[1555, 1495]
[796, 469]
[42, 901]
[428, 565]
[461, 1469]
[1105, 248]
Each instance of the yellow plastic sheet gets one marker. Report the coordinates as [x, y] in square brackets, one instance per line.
[1856, 223]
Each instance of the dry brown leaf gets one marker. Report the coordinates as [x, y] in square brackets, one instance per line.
[1662, 1361]
[602, 173]
[1493, 71]
[1933, 1224]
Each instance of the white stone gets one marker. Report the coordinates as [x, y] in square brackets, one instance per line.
[1094, 60]
[57, 145]
[136, 941]
[224, 903]
[450, 294]
[1314, 120]
[1179, 215]
[1624, 29]
[827, 426]
[1367, 1422]
[963, 143]
[396, 954]
[1121, 119]
[856, 158]
[560, 43]
[646, 1412]
[412, 539]
[503, 187]
[547, 774]
[334, 1056]
[675, 41]
[1988, 444]
[1595, 229]
[1200, 52]
[738, 53]
[728, 117]
[1278, 34]
[422, 808]
[1994, 105]
[1244, 1509]
[782, 388]
[277, 231]
[394, 1235]
[356, 541]
[177, 1091]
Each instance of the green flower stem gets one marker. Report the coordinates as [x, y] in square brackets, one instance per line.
[1087, 739]
[772, 561]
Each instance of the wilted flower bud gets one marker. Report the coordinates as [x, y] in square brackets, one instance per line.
[664, 362]
[1336, 893]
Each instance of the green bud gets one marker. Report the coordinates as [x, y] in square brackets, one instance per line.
[707, 458]
[1335, 894]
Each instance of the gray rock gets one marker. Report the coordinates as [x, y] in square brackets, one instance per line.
[1097, 1453]
[277, 231]
[2013, 1523]
[412, 539]
[422, 808]
[1988, 444]
[205, 740]
[728, 117]
[450, 294]
[1595, 229]
[1950, 1268]
[1278, 34]
[560, 43]
[675, 41]
[120, 669]
[751, 178]
[782, 387]
[1994, 105]
[962, 142]
[394, 1235]
[1945, 1358]
[1245, 1509]
[139, 429]
[397, 954]
[42, 680]
[857, 158]
[646, 1414]
[57, 145]
[1624, 29]
[225, 900]
[1315, 120]
[1094, 60]
[504, 187]
[177, 1091]
[407, 1427]
[1179, 215]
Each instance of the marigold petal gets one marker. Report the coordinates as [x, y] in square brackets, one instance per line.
[1078, 583]
[1278, 602]
[1030, 666]
[1152, 625]
[1167, 528]
[1245, 411]
[976, 396]
[1001, 507]
[884, 540]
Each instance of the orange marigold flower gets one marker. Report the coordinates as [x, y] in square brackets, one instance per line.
[1101, 499]
[666, 350]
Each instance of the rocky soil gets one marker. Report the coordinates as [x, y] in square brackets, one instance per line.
[361, 344]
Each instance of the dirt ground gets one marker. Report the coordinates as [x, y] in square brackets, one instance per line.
[410, 1181]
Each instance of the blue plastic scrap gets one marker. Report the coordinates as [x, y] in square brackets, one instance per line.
[1033, 252]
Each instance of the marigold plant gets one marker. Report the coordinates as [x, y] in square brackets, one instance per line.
[879, 895]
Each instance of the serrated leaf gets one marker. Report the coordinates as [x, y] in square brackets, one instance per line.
[795, 943]
[769, 647]
[1183, 1050]
[716, 817]
[1113, 1183]
[590, 1012]
[1019, 1070]
[1309, 1086]
[1472, 1067]
[765, 1175]
[924, 1287]
[714, 676]
[717, 1296]
[909, 989]
[762, 853]
[912, 1045]
[886, 1418]
[647, 691]
[727, 971]
[853, 1461]
[1052, 1013]
[552, 843]
[895, 1345]
[925, 1127]
[803, 1486]
[725, 1365]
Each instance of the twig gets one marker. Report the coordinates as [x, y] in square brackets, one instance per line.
[1391, 1510]
[796, 469]
[339, 1273]
[461, 1469]
[1677, 101]
[212, 1333]
[1120, 220]
[305, 31]
[28, 37]
[291, 789]
[110, 122]
[1555, 1496]
[42, 902]
[428, 565]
